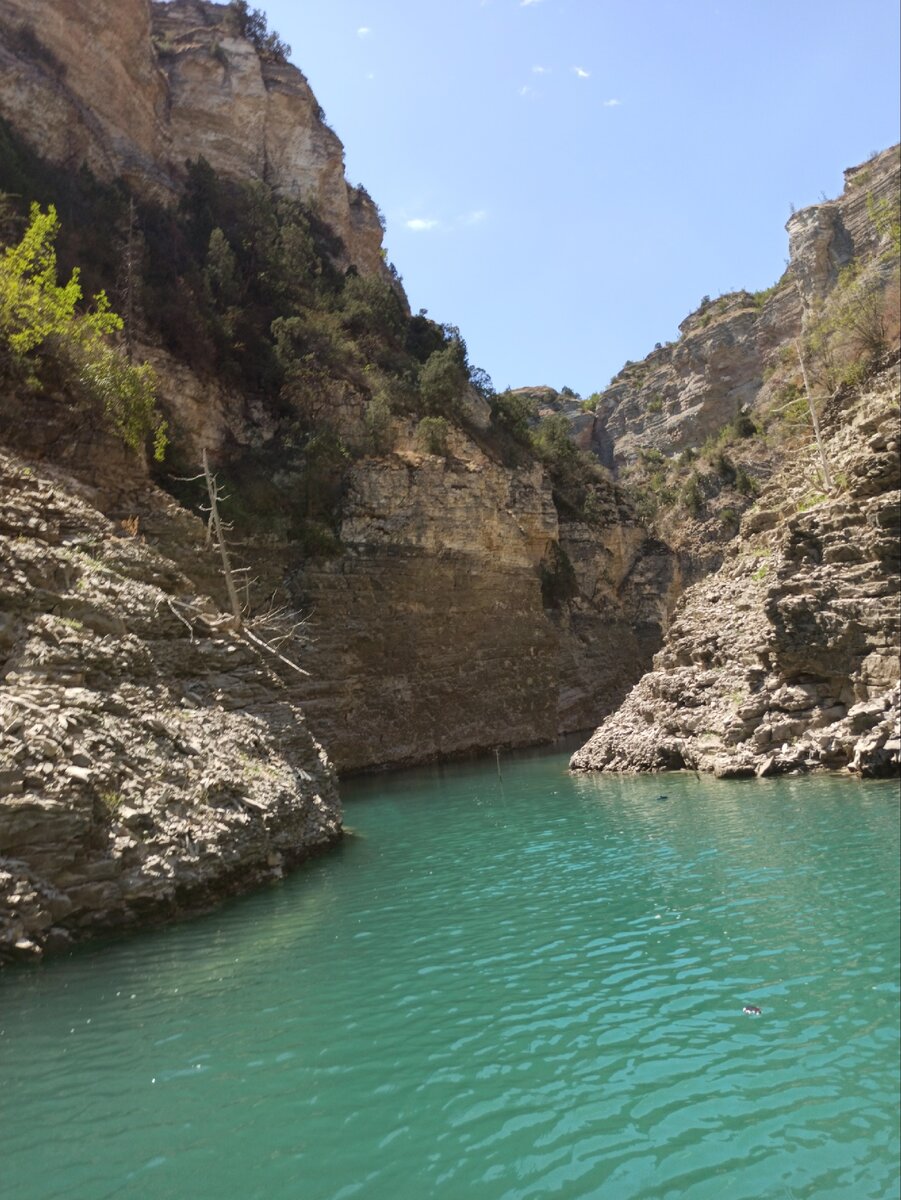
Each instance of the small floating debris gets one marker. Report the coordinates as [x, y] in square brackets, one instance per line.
[751, 1010]
[665, 796]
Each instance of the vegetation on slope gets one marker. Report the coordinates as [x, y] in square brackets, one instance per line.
[243, 286]
[47, 339]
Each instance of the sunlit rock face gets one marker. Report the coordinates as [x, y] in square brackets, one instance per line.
[786, 659]
[686, 390]
[136, 90]
[150, 760]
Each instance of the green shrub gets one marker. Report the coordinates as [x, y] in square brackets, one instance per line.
[377, 420]
[431, 435]
[692, 495]
[745, 484]
[39, 321]
[514, 413]
[443, 380]
[729, 520]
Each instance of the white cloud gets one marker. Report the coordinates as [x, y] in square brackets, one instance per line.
[364, 31]
[525, 90]
[541, 70]
[613, 103]
[526, 3]
[474, 218]
[581, 72]
[421, 224]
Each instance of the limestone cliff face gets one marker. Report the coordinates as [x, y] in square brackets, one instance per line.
[786, 659]
[461, 612]
[687, 390]
[432, 633]
[150, 760]
[136, 89]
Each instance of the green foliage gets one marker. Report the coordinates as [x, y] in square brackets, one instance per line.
[886, 216]
[377, 420]
[443, 380]
[515, 413]
[371, 306]
[811, 500]
[655, 404]
[724, 467]
[431, 435]
[742, 425]
[481, 381]
[251, 23]
[594, 509]
[33, 306]
[745, 484]
[39, 320]
[692, 495]
[729, 520]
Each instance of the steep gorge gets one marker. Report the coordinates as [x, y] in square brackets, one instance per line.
[460, 593]
[466, 581]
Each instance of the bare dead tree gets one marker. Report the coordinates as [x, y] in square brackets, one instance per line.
[269, 630]
[811, 406]
[824, 462]
[212, 487]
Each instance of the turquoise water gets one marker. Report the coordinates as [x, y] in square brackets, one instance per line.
[493, 991]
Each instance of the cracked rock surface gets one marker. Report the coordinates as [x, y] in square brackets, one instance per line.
[786, 659]
[150, 761]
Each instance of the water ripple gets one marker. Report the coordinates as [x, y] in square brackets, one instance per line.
[514, 991]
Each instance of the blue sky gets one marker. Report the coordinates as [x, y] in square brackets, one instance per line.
[565, 179]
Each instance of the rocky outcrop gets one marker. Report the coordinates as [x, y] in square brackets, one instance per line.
[724, 359]
[135, 89]
[150, 761]
[462, 614]
[787, 658]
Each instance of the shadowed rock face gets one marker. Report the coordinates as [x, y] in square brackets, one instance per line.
[150, 762]
[432, 631]
[431, 634]
[136, 89]
[787, 657]
[687, 390]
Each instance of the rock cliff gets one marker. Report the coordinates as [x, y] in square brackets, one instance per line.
[728, 352]
[150, 761]
[134, 90]
[786, 658]
[456, 607]
[465, 614]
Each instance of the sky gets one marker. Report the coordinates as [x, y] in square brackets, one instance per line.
[566, 179]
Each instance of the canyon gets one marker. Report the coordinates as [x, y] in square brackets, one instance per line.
[455, 587]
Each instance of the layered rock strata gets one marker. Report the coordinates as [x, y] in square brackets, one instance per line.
[723, 362]
[786, 659]
[437, 630]
[135, 89]
[150, 760]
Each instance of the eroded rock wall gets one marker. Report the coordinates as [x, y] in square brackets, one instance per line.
[135, 89]
[151, 761]
[787, 657]
[686, 391]
[433, 634]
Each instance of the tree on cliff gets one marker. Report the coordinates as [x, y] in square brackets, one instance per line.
[251, 23]
[41, 327]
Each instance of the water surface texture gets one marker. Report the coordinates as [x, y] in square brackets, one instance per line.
[494, 990]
